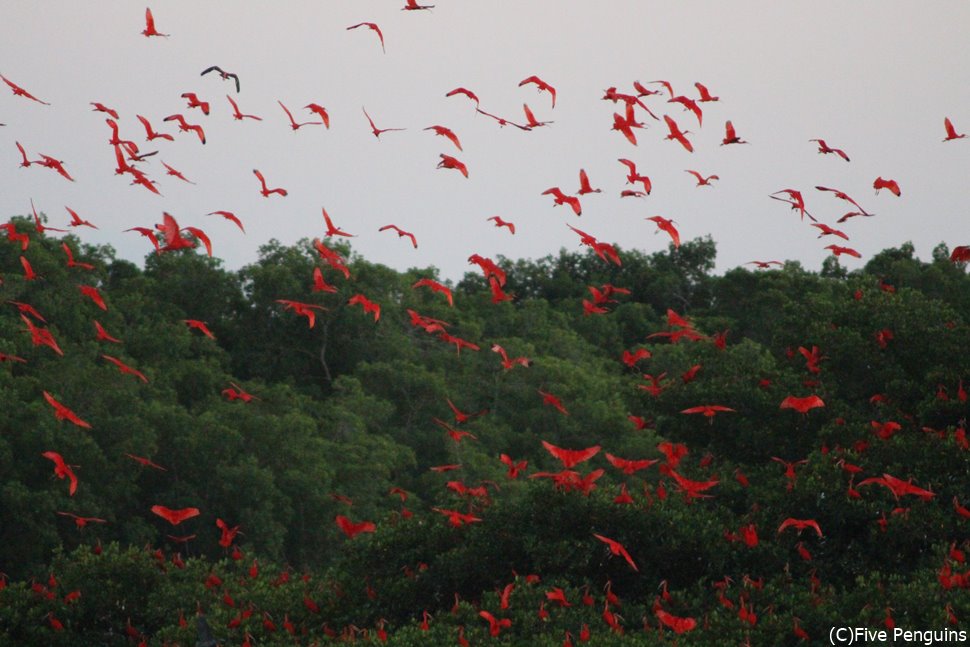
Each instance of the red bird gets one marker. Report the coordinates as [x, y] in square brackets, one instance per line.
[502, 223]
[709, 410]
[828, 231]
[456, 518]
[541, 86]
[73, 263]
[81, 522]
[515, 467]
[20, 92]
[463, 91]
[266, 192]
[186, 127]
[886, 184]
[150, 25]
[571, 457]
[617, 549]
[800, 525]
[62, 470]
[195, 102]
[366, 304]
[561, 198]
[175, 517]
[307, 310]
[230, 216]
[701, 180]
[447, 161]
[584, 185]
[824, 149]
[76, 220]
[951, 132]
[331, 229]
[150, 133]
[435, 286]
[839, 250]
[446, 132]
[373, 27]
[667, 225]
[704, 94]
[124, 368]
[100, 107]
[63, 413]
[146, 462]
[352, 529]
[176, 173]
[236, 392]
[678, 625]
[675, 133]
[401, 233]
[530, 118]
[200, 326]
[625, 126]
[553, 401]
[374, 129]
[293, 124]
[730, 136]
[239, 116]
[508, 363]
[628, 466]
[412, 5]
[802, 405]
[844, 196]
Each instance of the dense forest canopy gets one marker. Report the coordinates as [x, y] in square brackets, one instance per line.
[360, 470]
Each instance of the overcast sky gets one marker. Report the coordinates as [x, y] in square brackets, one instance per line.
[875, 79]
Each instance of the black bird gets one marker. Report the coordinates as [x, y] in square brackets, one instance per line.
[225, 75]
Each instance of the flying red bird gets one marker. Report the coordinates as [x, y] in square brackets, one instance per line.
[446, 132]
[709, 410]
[150, 25]
[307, 310]
[628, 466]
[844, 196]
[265, 191]
[456, 518]
[701, 180]
[76, 220]
[499, 222]
[447, 161]
[150, 132]
[584, 185]
[951, 132]
[828, 231]
[839, 250]
[705, 95]
[366, 304]
[508, 363]
[195, 102]
[293, 124]
[800, 525]
[825, 149]
[617, 549]
[124, 368]
[100, 107]
[374, 129]
[175, 517]
[186, 127]
[352, 529]
[676, 134]
[20, 92]
[435, 286]
[63, 413]
[401, 233]
[82, 522]
[62, 470]
[230, 216]
[880, 183]
[571, 457]
[730, 136]
[667, 225]
[146, 462]
[802, 405]
[553, 401]
[239, 116]
[321, 112]
[463, 91]
[412, 5]
[542, 86]
[373, 27]
[200, 326]
[332, 230]
[561, 198]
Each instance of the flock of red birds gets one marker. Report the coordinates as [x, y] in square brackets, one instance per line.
[632, 111]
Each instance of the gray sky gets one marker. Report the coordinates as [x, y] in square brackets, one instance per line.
[873, 78]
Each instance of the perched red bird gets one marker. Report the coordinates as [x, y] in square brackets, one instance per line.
[62, 470]
[677, 624]
[175, 517]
